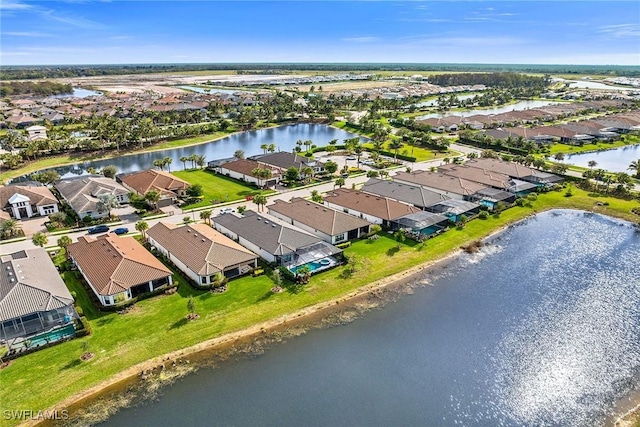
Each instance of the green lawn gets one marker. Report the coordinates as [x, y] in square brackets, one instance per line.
[158, 325]
[215, 187]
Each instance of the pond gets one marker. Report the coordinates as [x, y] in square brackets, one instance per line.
[79, 93]
[521, 105]
[541, 327]
[434, 102]
[213, 90]
[615, 160]
[284, 137]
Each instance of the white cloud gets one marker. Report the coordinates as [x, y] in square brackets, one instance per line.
[25, 34]
[14, 6]
[364, 39]
[621, 30]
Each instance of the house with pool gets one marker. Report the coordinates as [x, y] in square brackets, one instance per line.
[411, 194]
[36, 307]
[330, 225]
[201, 252]
[277, 243]
[117, 268]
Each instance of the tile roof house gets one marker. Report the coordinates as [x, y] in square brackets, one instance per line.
[169, 186]
[489, 178]
[515, 170]
[81, 193]
[117, 268]
[35, 304]
[375, 209]
[285, 160]
[276, 243]
[25, 201]
[451, 186]
[330, 225]
[201, 252]
[407, 193]
[242, 169]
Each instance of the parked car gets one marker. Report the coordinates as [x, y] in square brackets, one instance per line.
[227, 210]
[352, 158]
[121, 230]
[98, 229]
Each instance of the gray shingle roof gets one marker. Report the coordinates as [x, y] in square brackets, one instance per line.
[82, 192]
[29, 283]
[319, 217]
[408, 193]
[267, 234]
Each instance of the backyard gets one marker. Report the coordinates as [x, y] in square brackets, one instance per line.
[158, 325]
[216, 188]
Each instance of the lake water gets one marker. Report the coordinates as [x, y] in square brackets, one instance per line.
[541, 327]
[586, 84]
[521, 105]
[212, 90]
[79, 93]
[616, 160]
[434, 102]
[284, 137]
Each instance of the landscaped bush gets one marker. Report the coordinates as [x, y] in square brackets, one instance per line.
[343, 245]
[257, 272]
[483, 215]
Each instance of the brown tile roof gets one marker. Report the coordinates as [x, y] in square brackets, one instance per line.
[152, 179]
[379, 207]
[482, 176]
[319, 217]
[512, 169]
[202, 249]
[38, 195]
[114, 264]
[440, 181]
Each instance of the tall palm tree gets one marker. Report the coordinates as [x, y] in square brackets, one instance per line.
[201, 160]
[142, 226]
[206, 215]
[159, 164]
[184, 159]
[271, 148]
[167, 162]
[307, 172]
[395, 145]
[264, 147]
[635, 166]
[260, 200]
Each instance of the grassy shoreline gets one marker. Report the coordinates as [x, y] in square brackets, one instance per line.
[53, 378]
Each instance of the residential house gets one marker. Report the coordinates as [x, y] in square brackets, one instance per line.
[36, 307]
[25, 201]
[36, 133]
[375, 209]
[81, 193]
[516, 171]
[450, 186]
[407, 193]
[455, 209]
[167, 185]
[201, 252]
[276, 243]
[242, 169]
[489, 178]
[422, 223]
[330, 225]
[117, 268]
[285, 160]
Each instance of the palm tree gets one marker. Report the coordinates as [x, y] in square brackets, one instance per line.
[239, 154]
[307, 172]
[271, 148]
[559, 157]
[201, 160]
[206, 215]
[316, 196]
[159, 164]
[192, 158]
[184, 159]
[152, 197]
[64, 241]
[264, 147]
[9, 228]
[592, 164]
[635, 166]
[395, 145]
[261, 174]
[39, 239]
[167, 162]
[358, 150]
[339, 182]
[260, 200]
[142, 226]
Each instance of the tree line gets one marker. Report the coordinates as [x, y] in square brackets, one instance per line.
[500, 80]
[45, 88]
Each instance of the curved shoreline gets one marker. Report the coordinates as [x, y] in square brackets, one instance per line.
[276, 324]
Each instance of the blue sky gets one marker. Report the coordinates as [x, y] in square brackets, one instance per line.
[103, 32]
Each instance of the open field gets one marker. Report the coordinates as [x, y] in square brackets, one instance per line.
[573, 149]
[157, 326]
[216, 188]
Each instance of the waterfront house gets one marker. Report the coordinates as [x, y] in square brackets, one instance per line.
[422, 224]
[36, 133]
[25, 201]
[450, 186]
[489, 178]
[81, 193]
[36, 307]
[407, 193]
[375, 209]
[516, 171]
[330, 225]
[242, 169]
[167, 185]
[276, 243]
[285, 160]
[201, 252]
[117, 268]
[455, 209]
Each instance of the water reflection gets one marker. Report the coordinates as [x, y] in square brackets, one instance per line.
[616, 160]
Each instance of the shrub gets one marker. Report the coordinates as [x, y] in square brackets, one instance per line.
[257, 272]
[483, 215]
[343, 245]
[80, 311]
[520, 201]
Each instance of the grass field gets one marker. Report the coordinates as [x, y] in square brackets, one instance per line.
[573, 149]
[216, 188]
[158, 325]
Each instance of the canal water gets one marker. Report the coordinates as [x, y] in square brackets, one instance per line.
[284, 137]
[541, 327]
[521, 105]
[616, 160]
